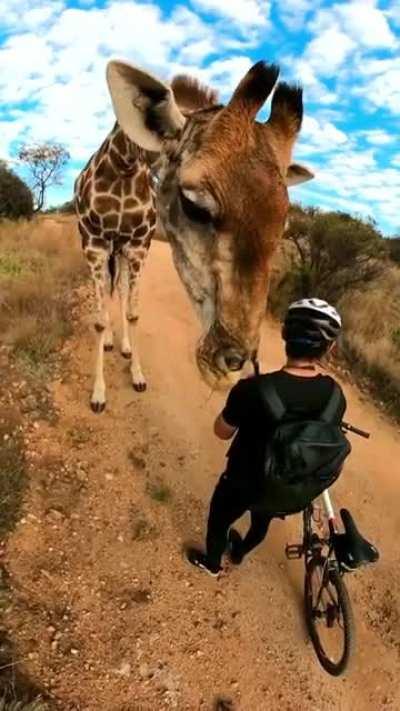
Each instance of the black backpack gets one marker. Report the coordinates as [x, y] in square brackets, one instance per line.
[303, 457]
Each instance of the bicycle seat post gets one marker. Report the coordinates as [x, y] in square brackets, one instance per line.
[329, 511]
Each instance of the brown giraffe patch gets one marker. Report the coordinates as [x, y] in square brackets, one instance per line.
[99, 242]
[110, 235]
[106, 203]
[105, 171]
[84, 234]
[130, 220]
[87, 193]
[111, 221]
[127, 186]
[117, 189]
[119, 164]
[142, 187]
[141, 231]
[91, 228]
[101, 186]
[120, 143]
[94, 218]
[91, 256]
[151, 216]
[130, 203]
[136, 242]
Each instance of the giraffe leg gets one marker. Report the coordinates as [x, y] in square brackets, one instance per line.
[98, 266]
[108, 335]
[123, 289]
[132, 315]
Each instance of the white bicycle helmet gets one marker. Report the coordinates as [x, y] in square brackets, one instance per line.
[312, 321]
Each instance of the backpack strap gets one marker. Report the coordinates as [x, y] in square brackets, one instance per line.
[271, 399]
[329, 413]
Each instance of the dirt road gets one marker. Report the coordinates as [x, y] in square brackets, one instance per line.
[106, 610]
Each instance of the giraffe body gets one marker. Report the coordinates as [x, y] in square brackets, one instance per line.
[115, 204]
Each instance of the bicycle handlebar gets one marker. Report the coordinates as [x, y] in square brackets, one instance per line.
[349, 428]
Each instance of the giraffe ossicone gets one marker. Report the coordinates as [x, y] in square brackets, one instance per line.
[220, 196]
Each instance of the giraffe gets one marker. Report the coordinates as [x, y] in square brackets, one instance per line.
[221, 198]
[115, 205]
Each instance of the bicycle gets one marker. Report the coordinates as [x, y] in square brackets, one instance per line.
[327, 557]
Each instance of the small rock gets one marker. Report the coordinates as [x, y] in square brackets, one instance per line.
[124, 670]
[74, 651]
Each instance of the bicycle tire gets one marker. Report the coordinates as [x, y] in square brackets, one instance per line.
[335, 668]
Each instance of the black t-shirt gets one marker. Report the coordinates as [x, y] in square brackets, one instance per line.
[302, 397]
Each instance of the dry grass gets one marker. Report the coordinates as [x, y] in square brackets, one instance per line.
[40, 263]
[372, 336]
[371, 340]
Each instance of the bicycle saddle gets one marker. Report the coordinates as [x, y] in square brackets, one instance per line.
[352, 550]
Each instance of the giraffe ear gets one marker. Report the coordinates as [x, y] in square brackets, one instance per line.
[144, 106]
[297, 174]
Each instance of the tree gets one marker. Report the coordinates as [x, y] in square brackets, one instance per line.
[393, 245]
[333, 252]
[15, 197]
[45, 163]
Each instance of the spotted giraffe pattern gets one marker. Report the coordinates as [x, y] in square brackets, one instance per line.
[115, 204]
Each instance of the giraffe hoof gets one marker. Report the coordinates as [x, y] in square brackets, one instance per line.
[140, 387]
[126, 354]
[98, 407]
[108, 347]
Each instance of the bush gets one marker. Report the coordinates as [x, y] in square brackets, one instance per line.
[330, 253]
[15, 197]
[393, 247]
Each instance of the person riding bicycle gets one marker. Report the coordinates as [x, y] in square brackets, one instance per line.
[310, 330]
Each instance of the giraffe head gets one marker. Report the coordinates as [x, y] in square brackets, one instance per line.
[222, 194]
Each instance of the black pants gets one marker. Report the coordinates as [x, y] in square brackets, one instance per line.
[229, 502]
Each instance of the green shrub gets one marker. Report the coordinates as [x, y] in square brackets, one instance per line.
[15, 197]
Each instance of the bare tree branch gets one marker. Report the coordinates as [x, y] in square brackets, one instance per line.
[45, 162]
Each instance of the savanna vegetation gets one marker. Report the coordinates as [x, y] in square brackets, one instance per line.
[40, 262]
[346, 260]
[16, 200]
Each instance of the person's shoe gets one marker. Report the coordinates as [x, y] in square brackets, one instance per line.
[200, 560]
[235, 547]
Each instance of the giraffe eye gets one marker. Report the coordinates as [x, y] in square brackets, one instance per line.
[193, 211]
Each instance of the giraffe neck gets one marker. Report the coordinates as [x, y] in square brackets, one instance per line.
[124, 153]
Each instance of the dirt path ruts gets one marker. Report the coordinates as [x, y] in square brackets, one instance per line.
[108, 612]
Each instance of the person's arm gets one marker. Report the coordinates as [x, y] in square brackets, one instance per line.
[221, 428]
[231, 416]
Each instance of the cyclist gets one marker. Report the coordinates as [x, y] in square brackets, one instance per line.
[310, 330]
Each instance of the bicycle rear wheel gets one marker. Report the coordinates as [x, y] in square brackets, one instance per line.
[329, 616]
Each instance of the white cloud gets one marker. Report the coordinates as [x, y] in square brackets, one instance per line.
[294, 12]
[225, 74]
[361, 20]
[320, 136]
[19, 15]
[377, 137]
[327, 52]
[382, 90]
[366, 23]
[352, 180]
[252, 13]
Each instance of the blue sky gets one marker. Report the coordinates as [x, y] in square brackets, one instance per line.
[53, 55]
